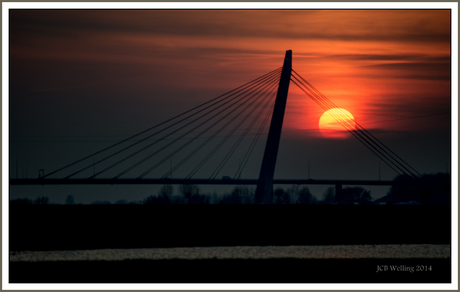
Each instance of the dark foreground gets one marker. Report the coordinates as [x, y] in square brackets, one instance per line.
[235, 271]
[142, 226]
[68, 227]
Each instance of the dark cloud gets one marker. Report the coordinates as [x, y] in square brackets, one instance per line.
[415, 70]
[393, 57]
[288, 24]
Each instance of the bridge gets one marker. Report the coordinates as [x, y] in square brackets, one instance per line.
[143, 181]
[238, 113]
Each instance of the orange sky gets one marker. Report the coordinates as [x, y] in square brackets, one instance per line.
[72, 71]
[381, 65]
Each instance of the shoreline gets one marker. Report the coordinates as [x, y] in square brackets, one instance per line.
[392, 251]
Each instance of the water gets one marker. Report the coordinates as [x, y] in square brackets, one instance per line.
[243, 252]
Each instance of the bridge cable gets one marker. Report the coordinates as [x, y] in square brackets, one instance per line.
[359, 137]
[361, 128]
[165, 122]
[205, 131]
[211, 153]
[245, 94]
[253, 144]
[266, 76]
[236, 145]
[366, 135]
[361, 134]
[354, 134]
[208, 140]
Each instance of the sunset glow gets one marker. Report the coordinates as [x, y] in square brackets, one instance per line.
[98, 76]
[333, 122]
[375, 62]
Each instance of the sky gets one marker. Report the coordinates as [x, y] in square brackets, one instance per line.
[80, 80]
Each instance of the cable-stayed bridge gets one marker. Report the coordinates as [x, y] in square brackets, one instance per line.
[197, 144]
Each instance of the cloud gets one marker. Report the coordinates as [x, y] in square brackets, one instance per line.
[358, 58]
[415, 70]
[342, 25]
[413, 57]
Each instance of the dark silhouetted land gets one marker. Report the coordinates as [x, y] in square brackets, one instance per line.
[74, 227]
[58, 227]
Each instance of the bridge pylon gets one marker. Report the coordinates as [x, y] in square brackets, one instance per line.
[264, 191]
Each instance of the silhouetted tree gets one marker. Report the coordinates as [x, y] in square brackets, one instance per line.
[239, 195]
[165, 196]
[21, 202]
[281, 197]
[98, 202]
[41, 201]
[329, 196]
[178, 200]
[69, 200]
[166, 192]
[157, 200]
[233, 198]
[152, 200]
[366, 198]
[215, 198]
[121, 202]
[198, 199]
[189, 190]
[305, 197]
[429, 189]
[353, 195]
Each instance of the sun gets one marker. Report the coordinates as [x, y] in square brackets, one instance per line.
[331, 128]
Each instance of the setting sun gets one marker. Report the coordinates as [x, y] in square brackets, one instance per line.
[329, 123]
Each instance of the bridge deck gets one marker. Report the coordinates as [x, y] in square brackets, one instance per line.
[194, 181]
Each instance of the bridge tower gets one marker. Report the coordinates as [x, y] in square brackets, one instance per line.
[264, 191]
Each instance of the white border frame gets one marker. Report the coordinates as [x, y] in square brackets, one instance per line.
[228, 5]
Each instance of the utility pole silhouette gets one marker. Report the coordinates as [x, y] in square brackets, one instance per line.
[264, 191]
